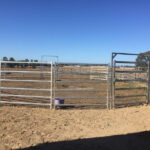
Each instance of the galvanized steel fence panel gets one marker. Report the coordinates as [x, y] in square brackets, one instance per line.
[15, 74]
[82, 85]
[79, 84]
[130, 84]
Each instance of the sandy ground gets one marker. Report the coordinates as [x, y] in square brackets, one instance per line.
[22, 127]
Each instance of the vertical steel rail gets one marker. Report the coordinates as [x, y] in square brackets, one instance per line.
[54, 82]
[107, 78]
[109, 85]
[111, 80]
[51, 86]
[114, 82]
[148, 84]
[0, 78]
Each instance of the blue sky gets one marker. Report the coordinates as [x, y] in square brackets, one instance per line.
[75, 30]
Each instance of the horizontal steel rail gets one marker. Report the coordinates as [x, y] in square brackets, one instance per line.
[80, 105]
[25, 103]
[80, 64]
[27, 96]
[125, 54]
[94, 78]
[20, 62]
[49, 80]
[131, 103]
[80, 90]
[130, 71]
[130, 96]
[131, 80]
[28, 89]
[78, 82]
[125, 62]
[11, 80]
[100, 98]
[80, 73]
[70, 77]
[34, 72]
[133, 88]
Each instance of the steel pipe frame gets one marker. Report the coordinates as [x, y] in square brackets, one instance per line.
[74, 90]
[125, 96]
[80, 105]
[27, 96]
[34, 72]
[0, 79]
[78, 82]
[28, 89]
[99, 98]
[112, 74]
[25, 103]
[75, 82]
[113, 55]
[20, 62]
[11, 80]
[134, 88]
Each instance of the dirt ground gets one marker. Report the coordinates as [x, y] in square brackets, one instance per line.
[22, 127]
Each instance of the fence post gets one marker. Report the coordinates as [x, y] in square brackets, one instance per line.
[113, 55]
[51, 87]
[148, 83]
[54, 81]
[107, 80]
[0, 78]
[113, 81]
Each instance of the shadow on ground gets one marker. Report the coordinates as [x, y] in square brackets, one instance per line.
[135, 141]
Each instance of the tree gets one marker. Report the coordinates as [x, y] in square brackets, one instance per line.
[5, 58]
[142, 59]
[11, 59]
[26, 60]
[34, 65]
[12, 65]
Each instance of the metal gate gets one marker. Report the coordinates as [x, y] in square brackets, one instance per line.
[130, 84]
[26, 83]
[82, 84]
[75, 84]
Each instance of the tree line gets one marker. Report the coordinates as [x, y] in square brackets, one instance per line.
[142, 60]
[22, 65]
